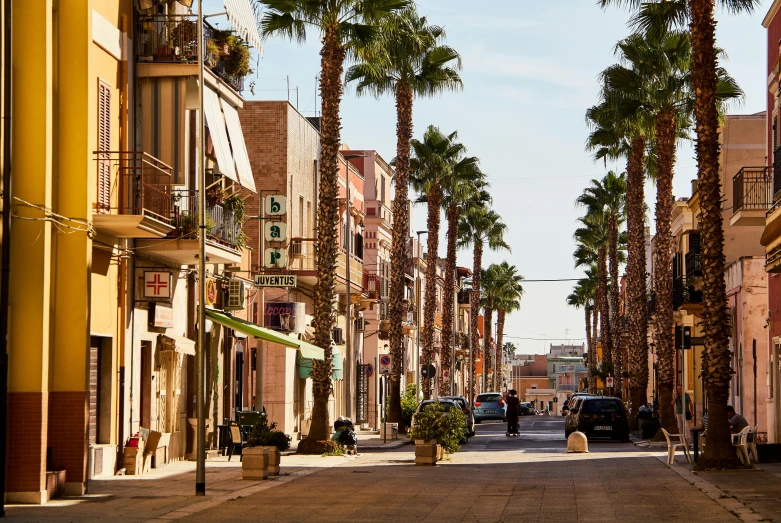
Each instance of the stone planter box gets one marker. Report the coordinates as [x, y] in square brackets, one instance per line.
[255, 463]
[273, 460]
[427, 452]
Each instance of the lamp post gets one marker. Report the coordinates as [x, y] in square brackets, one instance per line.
[416, 358]
[653, 381]
[348, 372]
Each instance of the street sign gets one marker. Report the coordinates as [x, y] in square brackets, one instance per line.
[609, 382]
[275, 258]
[275, 231]
[683, 337]
[369, 369]
[428, 371]
[446, 373]
[275, 280]
[385, 364]
[276, 205]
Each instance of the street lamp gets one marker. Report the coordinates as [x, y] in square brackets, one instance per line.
[417, 319]
[348, 381]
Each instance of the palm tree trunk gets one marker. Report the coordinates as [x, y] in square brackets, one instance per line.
[615, 329]
[429, 309]
[716, 357]
[636, 275]
[589, 340]
[474, 311]
[448, 302]
[331, 62]
[604, 308]
[399, 245]
[500, 318]
[665, 136]
[592, 358]
[488, 313]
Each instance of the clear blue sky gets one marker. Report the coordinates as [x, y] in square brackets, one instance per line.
[530, 71]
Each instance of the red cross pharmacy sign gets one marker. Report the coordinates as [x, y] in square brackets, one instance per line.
[157, 284]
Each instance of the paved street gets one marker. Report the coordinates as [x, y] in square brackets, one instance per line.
[494, 478]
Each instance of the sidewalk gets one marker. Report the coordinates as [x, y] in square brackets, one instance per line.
[367, 440]
[167, 494]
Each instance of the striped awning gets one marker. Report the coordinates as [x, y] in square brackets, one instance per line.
[242, 18]
[240, 156]
[216, 124]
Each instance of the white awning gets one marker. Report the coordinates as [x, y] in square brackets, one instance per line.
[179, 344]
[240, 156]
[243, 20]
[216, 124]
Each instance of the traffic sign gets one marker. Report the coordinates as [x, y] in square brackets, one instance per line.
[385, 364]
[428, 371]
[446, 373]
[609, 382]
[369, 369]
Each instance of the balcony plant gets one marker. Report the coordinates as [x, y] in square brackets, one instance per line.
[232, 51]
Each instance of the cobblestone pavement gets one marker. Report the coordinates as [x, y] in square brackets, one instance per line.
[493, 478]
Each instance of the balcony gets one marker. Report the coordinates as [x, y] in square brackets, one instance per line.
[752, 196]
[464, 299]
[134, 195]
[224, 235]
[301, 259]
[374, 285]
[777, 173]
[375, 209]
[685, 295]
[173, 39]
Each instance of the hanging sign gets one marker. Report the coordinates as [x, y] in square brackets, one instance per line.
[275, 280]
[275, 258]
[157, 284]
[161, 316]
[211, 291]
[275, 231]
[276, 205]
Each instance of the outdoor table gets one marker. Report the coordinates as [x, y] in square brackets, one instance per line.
[696, 442]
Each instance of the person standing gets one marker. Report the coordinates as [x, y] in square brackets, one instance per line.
[682, 414]
[513, 410]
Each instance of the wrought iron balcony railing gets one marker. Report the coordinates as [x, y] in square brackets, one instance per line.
[174, 39]
[752, 189]
[142, 181]
[221, 224]
[684, 293]
[776, 173]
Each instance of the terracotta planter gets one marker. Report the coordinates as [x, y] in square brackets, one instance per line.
[254, 463]
[426, 453]
[273, 460]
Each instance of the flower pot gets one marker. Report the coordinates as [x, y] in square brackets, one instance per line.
[273, 460]
[254, 463]
[426, 453]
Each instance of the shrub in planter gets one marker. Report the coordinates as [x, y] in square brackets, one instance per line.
[453, 430]
[307, 446]
[446, 427]
[264, 435]
[409, 404]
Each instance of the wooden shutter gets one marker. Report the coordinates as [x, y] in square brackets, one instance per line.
[104, 144]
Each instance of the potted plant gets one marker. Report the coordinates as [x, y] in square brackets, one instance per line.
[426, 429]
[274, 441]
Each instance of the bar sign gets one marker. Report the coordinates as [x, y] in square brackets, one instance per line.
[275, 280]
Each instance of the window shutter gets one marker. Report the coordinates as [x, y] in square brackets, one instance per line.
[104, 144]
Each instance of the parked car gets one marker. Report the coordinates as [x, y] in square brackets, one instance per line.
[470, 418]
[490, 405]
[598, 416]
[526, 408]
[446, 405]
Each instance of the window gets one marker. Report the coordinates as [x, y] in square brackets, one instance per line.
[301, 216]
[775, 131]
[382, 189]
[104, 144]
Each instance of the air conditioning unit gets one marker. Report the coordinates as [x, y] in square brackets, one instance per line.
[338, 336]
[236, 293]
[360, 324]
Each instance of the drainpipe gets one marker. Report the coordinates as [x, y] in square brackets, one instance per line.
[6, 248]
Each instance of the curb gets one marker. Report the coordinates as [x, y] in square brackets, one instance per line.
[394, 445]
[732, 504]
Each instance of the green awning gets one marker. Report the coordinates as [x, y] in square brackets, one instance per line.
[305, 365]
[307, 350]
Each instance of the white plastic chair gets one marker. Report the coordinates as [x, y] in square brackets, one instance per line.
[740, 442]
[752, 443]
[672, 446]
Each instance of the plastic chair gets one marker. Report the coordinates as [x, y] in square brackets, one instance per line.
[672, 446]
[752, 443]
[237, 439]
[740, 442]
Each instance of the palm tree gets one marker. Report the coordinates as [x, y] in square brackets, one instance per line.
[616, 134]
[490, 289]
[408, 60]
[433, 162]
[605, 201]
[507, 300]
[343, 26]
[477, 227]
[466, 183]
[583, 296]
[717, 371]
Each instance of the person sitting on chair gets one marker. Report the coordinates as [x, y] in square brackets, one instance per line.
[736, 421]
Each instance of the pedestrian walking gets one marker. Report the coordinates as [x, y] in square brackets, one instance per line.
[513, 411]
[682, 414]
